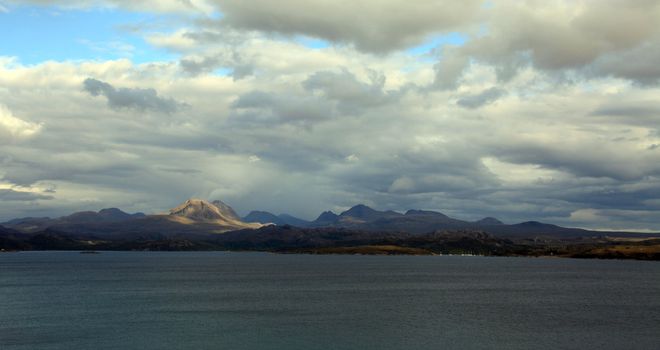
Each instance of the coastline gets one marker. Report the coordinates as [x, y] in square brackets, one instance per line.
[363, 251]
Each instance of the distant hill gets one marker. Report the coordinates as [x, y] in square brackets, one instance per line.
[103, 215]
[415, 221]
[293, 221]
[363, 213]
[7, 232]
[108, 215]
[325, 219]
[12, 239]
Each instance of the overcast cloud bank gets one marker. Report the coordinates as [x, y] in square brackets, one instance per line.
[548, 111]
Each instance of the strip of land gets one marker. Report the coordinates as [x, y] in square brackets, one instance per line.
[287, 239]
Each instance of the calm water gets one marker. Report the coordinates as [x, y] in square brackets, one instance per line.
[201, 300]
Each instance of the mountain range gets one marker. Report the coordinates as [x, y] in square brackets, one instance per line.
[197, 217]
[192, 217]
[202, 225]
[417, 222]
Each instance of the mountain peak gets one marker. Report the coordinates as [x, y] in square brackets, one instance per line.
[201, 210]
[359, 211]
[424, 212]
[327, 217]
[489, 221]
[111, 211]
[113, 214]
[534, 224]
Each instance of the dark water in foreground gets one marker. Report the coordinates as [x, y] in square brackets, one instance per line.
[202, 300]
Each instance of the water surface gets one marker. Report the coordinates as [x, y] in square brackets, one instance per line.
[222, 300]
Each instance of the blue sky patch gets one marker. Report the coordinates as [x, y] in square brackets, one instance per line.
[456, 39]
[40, 33]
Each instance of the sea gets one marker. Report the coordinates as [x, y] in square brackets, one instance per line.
[240, 300]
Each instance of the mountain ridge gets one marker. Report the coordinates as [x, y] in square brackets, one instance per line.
[193, 216]
[201, 217]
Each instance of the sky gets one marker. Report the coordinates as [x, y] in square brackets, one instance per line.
[515, 109]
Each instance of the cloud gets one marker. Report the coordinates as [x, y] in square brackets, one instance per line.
[430, 183]
[135, 98]
[582, 36]
[372, 26]
[416, 148]
[449, 69]
[613, 219]
[194, 66]
[611, 160]
[267, 108]
[635, 64]
[481, 99]
[361, 120]
[640, 109]
[352, 158]
[351, 94]
[14, 129]
[555, 37]
[21, 196]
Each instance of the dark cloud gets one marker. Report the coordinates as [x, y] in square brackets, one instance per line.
[326, 95]
[598, 161]
[199, 66]
[481, 99]
[241, 71]
[180, 170]
[352, 95]
[624, 196]
[74, 166]
[131, 98]
[641, 109]
[636, 64]
[254, 99]
[267, 108]
[449, 69]
[584, 37]
[227, 58]
[370, 25]
[631, 113]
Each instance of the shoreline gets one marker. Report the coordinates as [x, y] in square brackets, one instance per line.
[336, 253]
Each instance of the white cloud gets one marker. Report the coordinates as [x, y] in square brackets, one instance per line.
[13, 128]
[352, 158]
